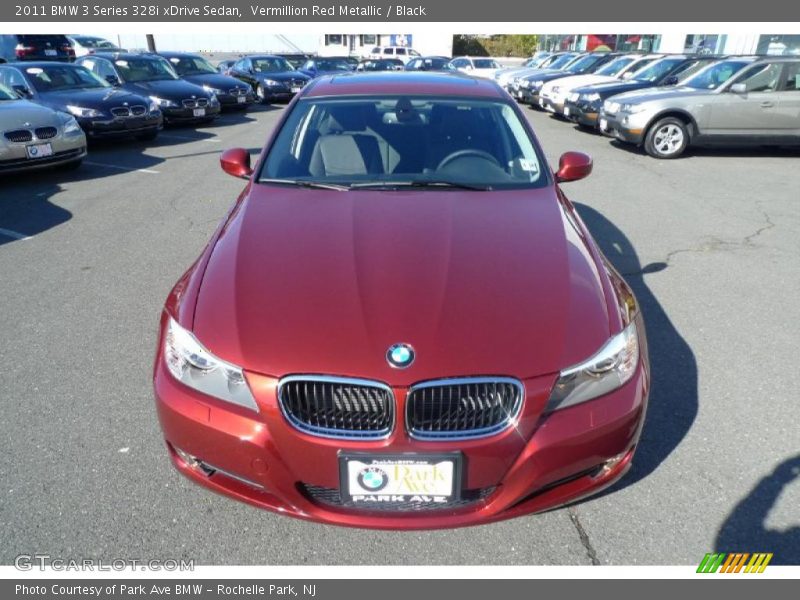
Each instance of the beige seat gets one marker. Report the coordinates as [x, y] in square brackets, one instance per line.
[345, 146]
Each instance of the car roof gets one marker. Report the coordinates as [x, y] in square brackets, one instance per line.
[405, 82]
[179, 54]
[124, 55]
[263, 56]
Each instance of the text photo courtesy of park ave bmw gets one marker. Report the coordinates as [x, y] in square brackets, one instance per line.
[440, 286]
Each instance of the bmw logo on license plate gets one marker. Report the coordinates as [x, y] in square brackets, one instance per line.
[400, 356]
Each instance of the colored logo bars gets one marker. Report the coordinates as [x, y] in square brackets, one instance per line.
[735, 562]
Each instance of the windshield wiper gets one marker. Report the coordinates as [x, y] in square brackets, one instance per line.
[423, 183]
[306, 184]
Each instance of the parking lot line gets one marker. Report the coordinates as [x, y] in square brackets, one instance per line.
[187, 138]
[14, 234]
[120, 167]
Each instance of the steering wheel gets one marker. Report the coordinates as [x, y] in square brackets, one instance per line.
[453, 156]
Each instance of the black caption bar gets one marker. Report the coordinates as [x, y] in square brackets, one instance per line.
[384, 589]
[468, 11]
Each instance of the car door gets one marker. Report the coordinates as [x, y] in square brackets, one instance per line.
[241, 71]
[789, 101]
[747, 105]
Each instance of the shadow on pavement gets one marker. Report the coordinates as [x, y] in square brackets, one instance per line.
[673, 395]
[25, 215]
[745, 528]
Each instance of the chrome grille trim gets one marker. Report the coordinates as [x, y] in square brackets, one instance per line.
[312, 412]
[195, 102]
[457, 421]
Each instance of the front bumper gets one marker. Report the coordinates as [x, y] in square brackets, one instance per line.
[621, 126]
[544, 462]
[551, 104]
[275, 93]
[581, 112]
[187, 115]
[110, 126]
[66, 149]
[231, 101]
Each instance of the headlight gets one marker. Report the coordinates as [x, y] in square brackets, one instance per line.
[71, 126]
[524, 83]
[591, 97]
[194, 366]
[80, 111]
[213, 100]
[212, 90]
[271, 82]
[153, 107]
[163, 102]
[537, 84]
[574, 97]
[610, 368]
[611, 107]
[633, 108]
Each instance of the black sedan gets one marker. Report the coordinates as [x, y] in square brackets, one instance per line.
[429, 63]
[272, 77]
[100, 109]
[150, 75]
[380, 64]
[584, 103]
[230, 92]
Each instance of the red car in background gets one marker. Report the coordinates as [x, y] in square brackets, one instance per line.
[402, 322]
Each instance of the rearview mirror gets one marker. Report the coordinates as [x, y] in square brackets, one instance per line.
[573, 166]
[21, 90]
[671, 80]
[236, 162]
[739, 88]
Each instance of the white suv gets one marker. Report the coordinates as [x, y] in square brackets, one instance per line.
[404, 53]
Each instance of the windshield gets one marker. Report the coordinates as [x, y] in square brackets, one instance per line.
[396, 141]
[7, 94]
[658, 69]
[565, 60]
[145, 69]
[333, 64]
[584, 64]
[96, 43]
[191, 65]
[615, 66]
[271, 65]
[296, 61]
[62, 77]
[714, 75]
[485, 63]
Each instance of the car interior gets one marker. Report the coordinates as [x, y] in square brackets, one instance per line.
[387, 138]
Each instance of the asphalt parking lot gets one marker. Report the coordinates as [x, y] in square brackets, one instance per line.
[709, 242]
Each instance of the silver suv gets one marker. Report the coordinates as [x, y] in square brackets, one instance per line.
[735, 101]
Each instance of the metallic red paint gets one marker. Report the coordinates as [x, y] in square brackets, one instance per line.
[480, 283]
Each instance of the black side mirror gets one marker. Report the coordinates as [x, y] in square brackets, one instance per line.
[112, 79]
[671, 80]
[22, 91]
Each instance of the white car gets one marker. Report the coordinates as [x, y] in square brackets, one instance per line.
[476, 66]
[404, 53]
[555, 93]
[89, 44]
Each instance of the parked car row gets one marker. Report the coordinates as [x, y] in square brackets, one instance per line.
[667, 103]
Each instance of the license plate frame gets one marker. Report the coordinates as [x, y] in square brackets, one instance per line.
[199, 112]
[603, 124]
[50, 52]
[566, 111]
[241, 99]
[348, 460]
[33, 151]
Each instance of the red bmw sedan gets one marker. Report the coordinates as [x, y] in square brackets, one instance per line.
[402, 322]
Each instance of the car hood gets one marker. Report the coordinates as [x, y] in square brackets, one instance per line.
[214, 80]
[15, 113]
[614, 87]
[309, 281]
[168, 88]
[537, 73]
[575, 81]
[282, 76]
[660, 93]
[92, 98]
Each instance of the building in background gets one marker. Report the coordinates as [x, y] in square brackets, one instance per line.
[361, 44]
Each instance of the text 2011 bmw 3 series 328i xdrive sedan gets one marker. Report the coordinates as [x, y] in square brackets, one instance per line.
[402, 322]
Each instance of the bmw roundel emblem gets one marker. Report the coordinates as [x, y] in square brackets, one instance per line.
[372, 479]
[400, 356]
